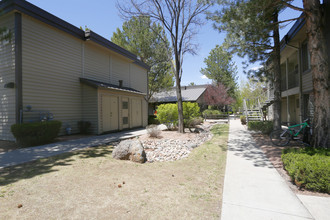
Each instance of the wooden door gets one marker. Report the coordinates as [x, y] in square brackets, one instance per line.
[136, 113]
[109, 113]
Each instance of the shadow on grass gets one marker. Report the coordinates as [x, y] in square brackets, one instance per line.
[29, 170]
[219, 131]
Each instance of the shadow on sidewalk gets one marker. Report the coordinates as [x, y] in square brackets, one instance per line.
[29, 170]
[243, 145]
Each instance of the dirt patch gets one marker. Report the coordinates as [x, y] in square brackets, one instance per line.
[274, 155]
[90, 184]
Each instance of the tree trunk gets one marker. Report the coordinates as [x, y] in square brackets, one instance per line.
[320, 72]
[179, 97]
[277, 74]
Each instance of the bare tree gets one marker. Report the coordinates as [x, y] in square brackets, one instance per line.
[179, 18]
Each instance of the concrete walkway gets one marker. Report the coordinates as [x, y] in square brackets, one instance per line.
[253, 189]
[24, 155]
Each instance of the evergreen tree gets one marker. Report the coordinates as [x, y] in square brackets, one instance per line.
[221, 69]
[252, 29]
[148, 41]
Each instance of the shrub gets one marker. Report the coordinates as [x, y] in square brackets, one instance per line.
[309, 168]
[36, 133]
[190, 110]
[243, 120]
[264, 126]
[153, 131]
[84, 127]
[152, 120]
[211, 112]
[168, 114]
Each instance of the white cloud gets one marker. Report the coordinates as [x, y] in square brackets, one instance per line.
[204, 77]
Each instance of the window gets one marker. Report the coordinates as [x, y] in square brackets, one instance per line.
[125, 120]
[306, 59]
[125, 105]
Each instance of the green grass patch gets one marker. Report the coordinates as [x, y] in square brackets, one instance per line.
[308, 168]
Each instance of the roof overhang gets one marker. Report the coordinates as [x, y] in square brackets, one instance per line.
[98, 84]
[44, 16]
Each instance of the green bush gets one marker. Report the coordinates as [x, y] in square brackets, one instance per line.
[168, 114]
[36, 133]
[84, 127]
[264, 126]
[211, 112]
[243, 120]
[190, 112]
[309, 168]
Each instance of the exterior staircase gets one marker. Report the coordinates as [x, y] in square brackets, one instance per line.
[253, 113]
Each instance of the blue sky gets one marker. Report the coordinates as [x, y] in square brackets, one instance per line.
[102, 17]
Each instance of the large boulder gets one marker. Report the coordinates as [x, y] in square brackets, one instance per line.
[130, 150]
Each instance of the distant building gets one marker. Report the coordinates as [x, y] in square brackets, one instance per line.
[189, 94]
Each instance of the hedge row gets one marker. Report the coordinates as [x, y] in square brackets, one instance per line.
[36, 133]
[308, 168]
[264, 126]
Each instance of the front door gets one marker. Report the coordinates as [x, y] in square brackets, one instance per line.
[109, 113]
[136, 113]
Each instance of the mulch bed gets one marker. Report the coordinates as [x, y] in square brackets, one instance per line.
[274, 155]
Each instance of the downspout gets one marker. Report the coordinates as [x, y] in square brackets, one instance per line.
[18, 69]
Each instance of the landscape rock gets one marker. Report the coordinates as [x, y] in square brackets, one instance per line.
[130, 150]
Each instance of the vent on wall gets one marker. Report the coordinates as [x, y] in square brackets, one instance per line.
[125, 120]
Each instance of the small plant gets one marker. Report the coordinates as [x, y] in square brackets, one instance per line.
[84, 127]
[192, 123]
[308, 168]
[264, 126]
[153, 131]
[36, 133]
[243, 120]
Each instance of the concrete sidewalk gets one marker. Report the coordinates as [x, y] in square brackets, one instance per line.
[24, 155]
[253, 189]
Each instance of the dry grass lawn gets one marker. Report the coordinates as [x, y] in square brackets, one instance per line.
[90, 184]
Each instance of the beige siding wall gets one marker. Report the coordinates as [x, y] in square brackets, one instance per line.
[7, 74]
[96, 63]
[307, 82]
[52, 65]
[90, 107]
[139, 80]
[120, 71]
